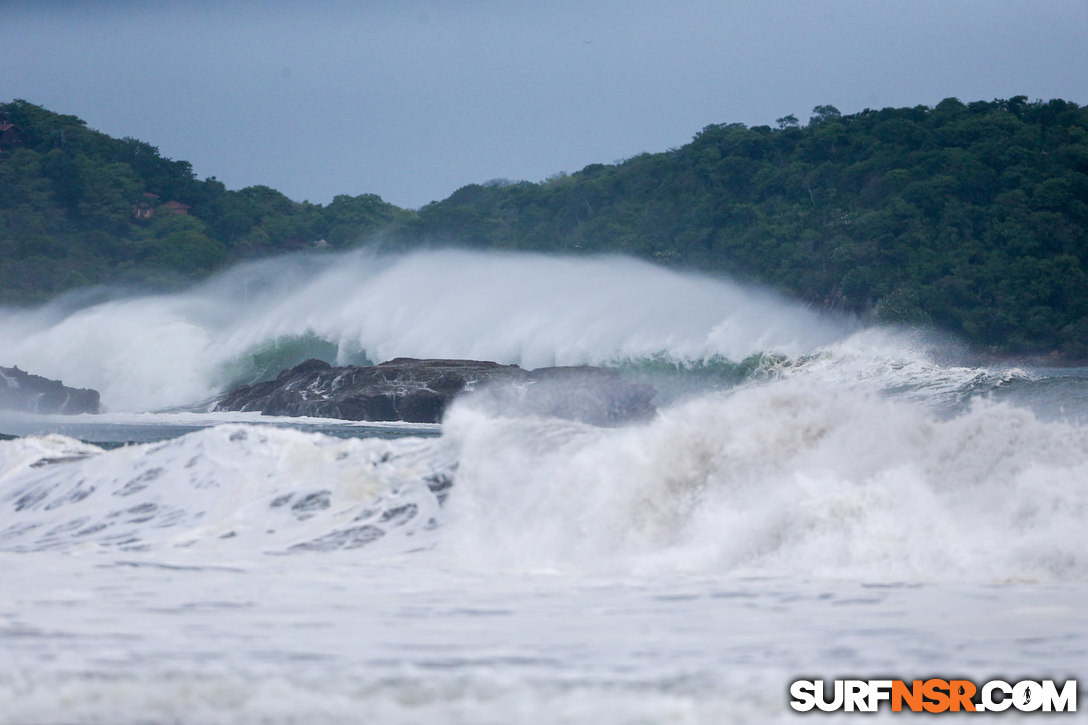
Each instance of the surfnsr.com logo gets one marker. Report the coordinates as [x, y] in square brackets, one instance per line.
[933, 696]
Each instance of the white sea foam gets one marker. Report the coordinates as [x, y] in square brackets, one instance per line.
[781, 478]
[157, 351]
[233, 488]
[519, 568]
[777, 478]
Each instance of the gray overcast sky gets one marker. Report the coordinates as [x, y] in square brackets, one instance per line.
[413, 99]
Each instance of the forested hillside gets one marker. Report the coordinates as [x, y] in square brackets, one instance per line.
[971, 217]
[78, 207]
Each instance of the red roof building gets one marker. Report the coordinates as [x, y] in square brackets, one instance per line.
[176, 207]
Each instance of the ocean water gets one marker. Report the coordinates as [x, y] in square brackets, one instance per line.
[814, 500]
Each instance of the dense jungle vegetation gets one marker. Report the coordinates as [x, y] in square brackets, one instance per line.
[970, 217]
[78, 207]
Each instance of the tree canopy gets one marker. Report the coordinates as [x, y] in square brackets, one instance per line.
[971, 217]
[78, 207]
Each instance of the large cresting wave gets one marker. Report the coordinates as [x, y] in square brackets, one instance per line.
[157, 351]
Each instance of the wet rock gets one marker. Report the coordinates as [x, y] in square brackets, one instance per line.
[420, 391]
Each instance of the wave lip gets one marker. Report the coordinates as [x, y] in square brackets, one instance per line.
[162, 351]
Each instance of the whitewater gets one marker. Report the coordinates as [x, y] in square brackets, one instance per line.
[815, 498]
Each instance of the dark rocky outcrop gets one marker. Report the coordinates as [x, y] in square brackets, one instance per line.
[419, 391]
[22, 391]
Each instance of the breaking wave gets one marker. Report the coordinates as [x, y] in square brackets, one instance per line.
[256, 488]
[159, 351]
[786, 441]
[781, 478]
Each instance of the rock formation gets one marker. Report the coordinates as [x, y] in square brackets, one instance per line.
[419, 391]
[28, 393]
